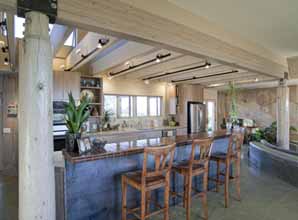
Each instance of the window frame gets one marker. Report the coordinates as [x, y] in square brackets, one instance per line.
[133, 106]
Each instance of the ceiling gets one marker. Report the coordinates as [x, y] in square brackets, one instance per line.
[269, 23]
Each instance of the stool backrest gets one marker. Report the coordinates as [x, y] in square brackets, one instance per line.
[205, 149]
[163, 159]
[236, 139]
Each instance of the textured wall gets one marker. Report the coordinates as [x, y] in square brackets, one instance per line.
[258, 104]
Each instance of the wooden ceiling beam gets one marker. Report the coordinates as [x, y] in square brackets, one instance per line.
[123, 20]
[58, 36]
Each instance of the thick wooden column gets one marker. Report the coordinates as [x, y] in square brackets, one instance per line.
[36, 170]
[283, 116]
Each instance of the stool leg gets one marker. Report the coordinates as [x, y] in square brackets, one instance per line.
[124, 194]
[238, 166]
[148, 195]
[184, 190]
[227, 178]
[217, 175]
[188, 201]
[143, 204]
[166, 198]
[205, 188]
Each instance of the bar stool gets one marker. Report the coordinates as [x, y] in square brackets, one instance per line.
[147, 180]
[195, 166]
[233, 155]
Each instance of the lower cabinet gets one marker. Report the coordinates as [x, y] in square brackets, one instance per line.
[131, 136]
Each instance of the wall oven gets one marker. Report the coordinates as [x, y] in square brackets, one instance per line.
[59, 125]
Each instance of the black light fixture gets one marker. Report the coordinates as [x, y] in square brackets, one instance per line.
[102, 42]
[6, 61]
[179, 71]
[130, 67]
[202, 77]
[4, 49]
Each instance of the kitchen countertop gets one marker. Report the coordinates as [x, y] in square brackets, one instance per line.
[129, 130]
[125, 148]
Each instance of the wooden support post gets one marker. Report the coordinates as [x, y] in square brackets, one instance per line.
[36, 169]
[283, 116]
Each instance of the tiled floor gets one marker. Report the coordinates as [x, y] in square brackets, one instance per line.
[263, 198]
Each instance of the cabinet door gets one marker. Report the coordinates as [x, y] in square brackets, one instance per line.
[72, 84]
[58, 86]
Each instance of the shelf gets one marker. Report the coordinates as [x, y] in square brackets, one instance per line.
[90, 87]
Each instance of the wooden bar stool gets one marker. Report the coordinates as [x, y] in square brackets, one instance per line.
[147, 180]
[233, 155]
[195, 166]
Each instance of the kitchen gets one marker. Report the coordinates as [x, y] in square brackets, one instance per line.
[112, 95]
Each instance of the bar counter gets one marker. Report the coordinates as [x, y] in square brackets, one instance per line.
[125, 148]
[93, 181]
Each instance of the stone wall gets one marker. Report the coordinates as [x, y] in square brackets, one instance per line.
[258, 104]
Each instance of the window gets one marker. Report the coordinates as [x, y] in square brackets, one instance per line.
[210, 115]
[110, 103]
[154, 106]
[125, 106]
[19, 27]
[71, 40]
[142, 109]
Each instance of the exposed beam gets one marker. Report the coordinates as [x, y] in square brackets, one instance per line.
[118, 18]
[88, 45]
[59, 34]
[115, 59]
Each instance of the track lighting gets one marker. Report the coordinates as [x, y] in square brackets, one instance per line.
[179, 71]
[202, 77]
[4, 49]
[207, 65]
[158, 58]
[102, 42]
[147, 82]
[6, 62]
[130, 67]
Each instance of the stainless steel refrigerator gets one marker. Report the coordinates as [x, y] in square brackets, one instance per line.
[196, 117]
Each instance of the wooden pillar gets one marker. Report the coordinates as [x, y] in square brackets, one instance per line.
[283, 116]
[36, 169]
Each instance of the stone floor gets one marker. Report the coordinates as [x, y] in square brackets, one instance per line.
[264, 197]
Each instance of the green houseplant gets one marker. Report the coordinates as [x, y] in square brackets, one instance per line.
[233, 108]
[75, 116]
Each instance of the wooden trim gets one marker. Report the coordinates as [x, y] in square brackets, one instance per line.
[123, 20]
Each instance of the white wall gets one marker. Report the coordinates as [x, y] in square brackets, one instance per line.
[135, 87]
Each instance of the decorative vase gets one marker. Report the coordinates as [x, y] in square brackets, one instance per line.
[71, 143]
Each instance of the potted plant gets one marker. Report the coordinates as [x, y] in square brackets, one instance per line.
[233, 109]
[75, 116]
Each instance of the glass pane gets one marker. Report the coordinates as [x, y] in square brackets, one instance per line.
[158, 106]
[110, 103]
[153, 106]
[141, 106]
[124, 106]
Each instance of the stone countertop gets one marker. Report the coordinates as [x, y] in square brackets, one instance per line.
[130, 130]
[125, 148]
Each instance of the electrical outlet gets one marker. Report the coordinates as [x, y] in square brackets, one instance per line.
[6, 130]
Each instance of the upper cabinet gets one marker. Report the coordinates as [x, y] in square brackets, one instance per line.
[65, 82]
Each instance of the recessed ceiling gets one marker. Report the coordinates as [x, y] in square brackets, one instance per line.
[270, 23]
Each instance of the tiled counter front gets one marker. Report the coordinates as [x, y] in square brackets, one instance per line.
[93, 184]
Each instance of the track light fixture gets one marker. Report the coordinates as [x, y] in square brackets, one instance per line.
[202, 77]
[102, 42]
[130, 67]
[179, 71]
[4, 49]
[6, 62]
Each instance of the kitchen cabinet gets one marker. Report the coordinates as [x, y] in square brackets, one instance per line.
[65, 82]
[171, 99]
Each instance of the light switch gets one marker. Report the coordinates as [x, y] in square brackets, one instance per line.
[6, 130]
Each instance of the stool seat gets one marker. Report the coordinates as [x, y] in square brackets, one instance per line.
[222, 156]
[183, 167]
[134, 178]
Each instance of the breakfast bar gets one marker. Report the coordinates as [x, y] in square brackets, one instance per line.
[93, 181]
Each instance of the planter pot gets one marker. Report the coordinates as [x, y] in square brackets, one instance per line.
[71, 143]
